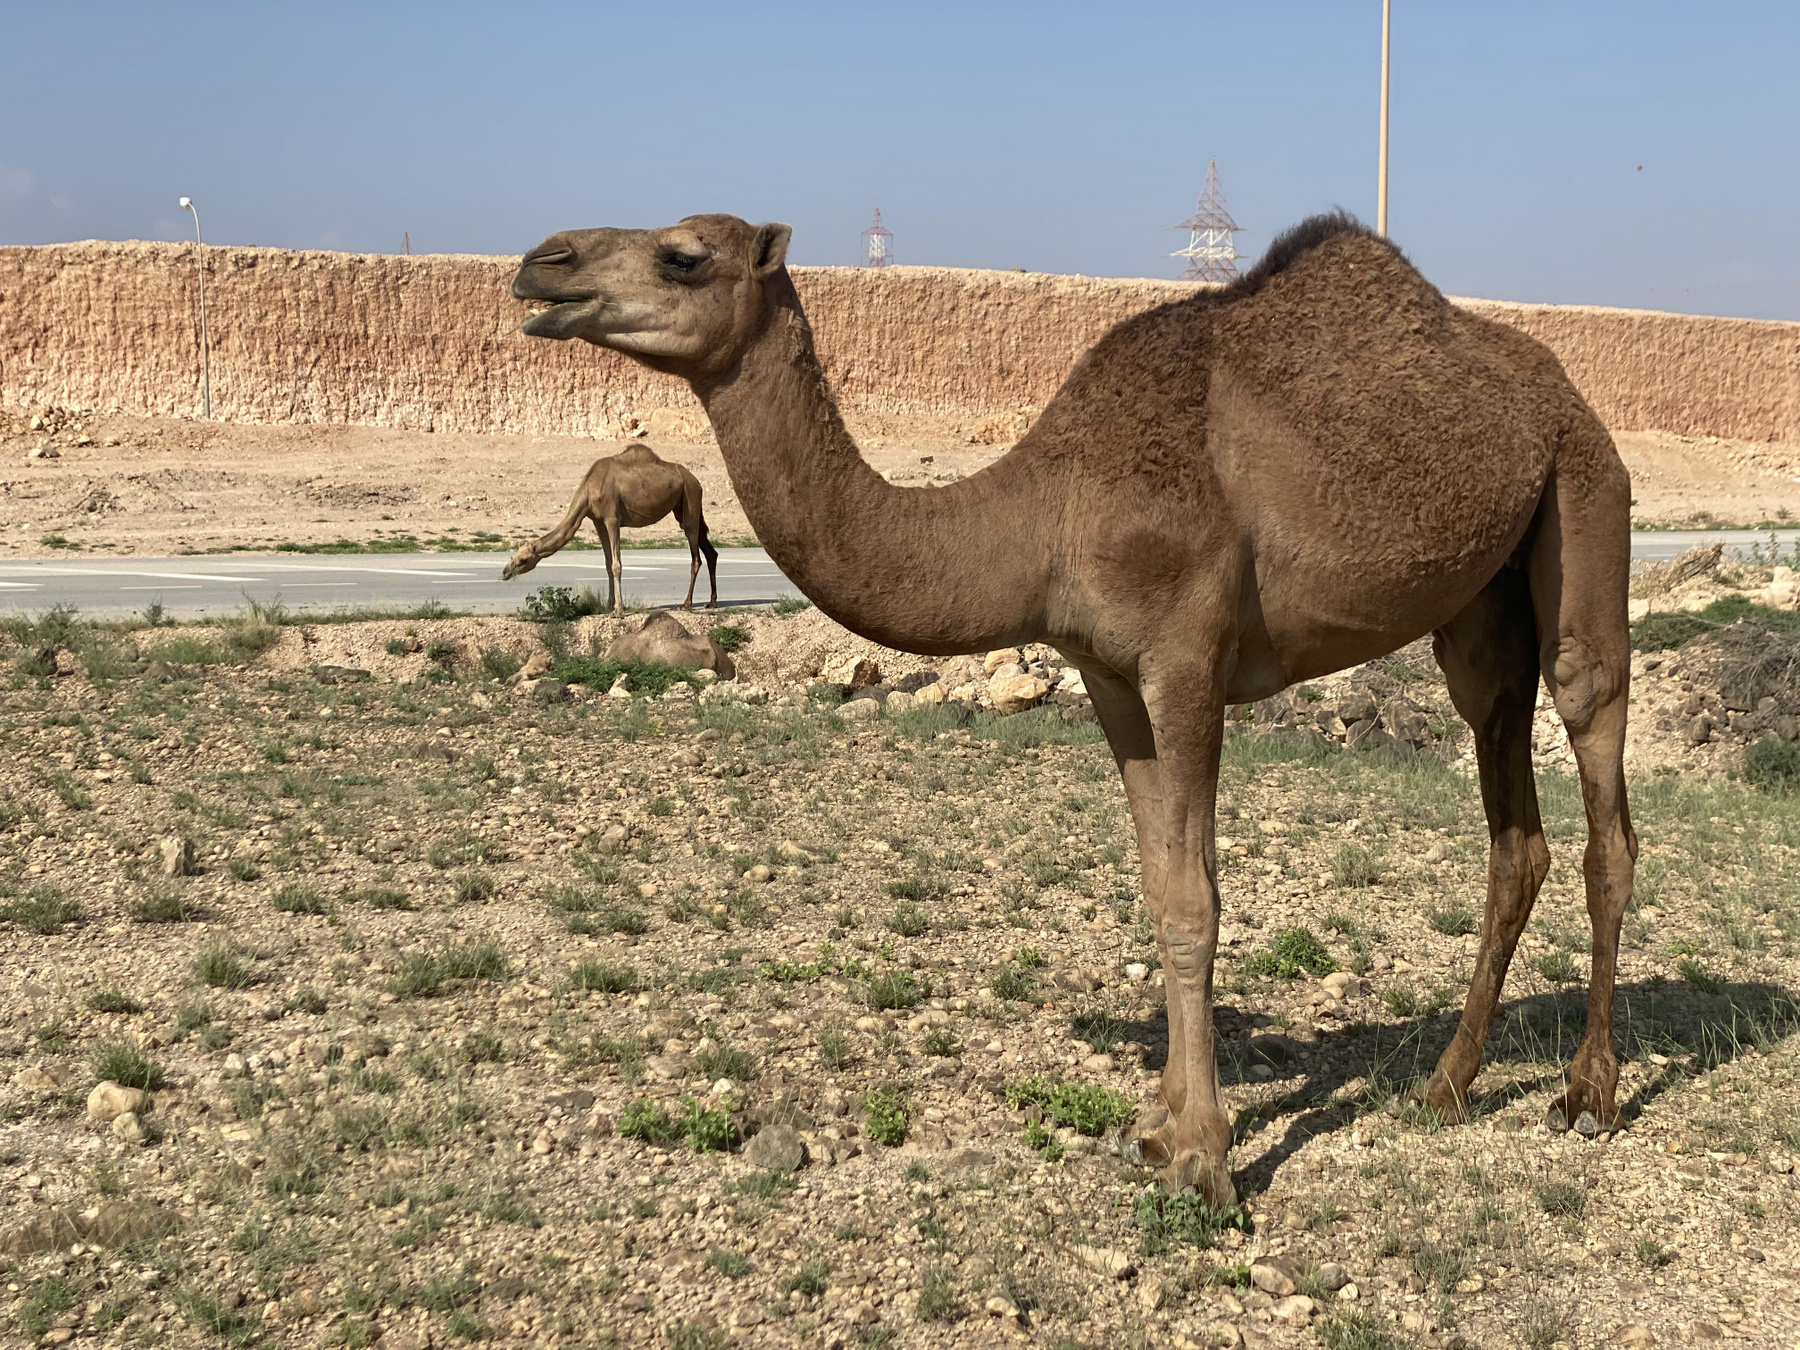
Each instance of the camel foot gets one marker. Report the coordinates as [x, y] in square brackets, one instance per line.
[688, 608]
[1585, 1109]
[1208, 1177]
[1439, 1095]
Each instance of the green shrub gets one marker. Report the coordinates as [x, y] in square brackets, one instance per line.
[708, 1129]
[1692, 972]
[647, 1122]
[110, 1000]
[1452, 920]
[1662, 632]
[895, 989]
[646, 679]
[889, 1113]
[1293, 952]
[937, 1299]
[499, 663]
[730, 637]
[220, 966]
[474, 961]
[908, 920]
[732, 1265]
[1013, 981]
[1564, 1198]
[474, 887]
[559, 604]
[605, 979]
[127, 1066]
[1773, 765]
[166, 906]
[43, 909]
[296, 898]
[1354, 867]
[243, 868]
[1086, 1109]
[1165, 1220]
[723, 1062]
[789, 605]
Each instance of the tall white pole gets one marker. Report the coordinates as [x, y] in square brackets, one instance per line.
[187, 204]
[1381, 172]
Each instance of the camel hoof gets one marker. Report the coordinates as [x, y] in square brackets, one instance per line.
[1210, 1179]
[1437, 1095]
[1587, 1124]
[1578, 1109]
[1555, 1121]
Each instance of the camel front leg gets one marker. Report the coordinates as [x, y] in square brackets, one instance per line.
[1167, 747]
[615, 568]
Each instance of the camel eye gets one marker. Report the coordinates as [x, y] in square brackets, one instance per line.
[683, 263]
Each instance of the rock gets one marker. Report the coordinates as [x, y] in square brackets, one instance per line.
[333, 674]
[306, 1303]
[679, 692]
[930, 694]
[1222, 1336]
[1356, 705]
[1331, 1277]
[413, 1338]
[898, 703]
[760, 873]
[539, 664]
[1097, 1064]
[1001, 1306]
[177, 856]
[1000, 656]
[1296, 1309]
[1635, 1335]
[776, 1148]
[1349, 1293]
[544, 690]
[1016, 693]
[1274, 1275]
[1137, 972]
[1075, 981]
[1699, 731]
[1406, 722]
[127, 1128]
[34, 1079]
[108, 1101]
[234, 1066]
[620, 688]
[1369, 735]
[856, 672]
[1106, 1260]
[662, 638]
[860, 710]
[872, 1024]
[43, 452]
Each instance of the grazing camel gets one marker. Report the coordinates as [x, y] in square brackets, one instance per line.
[1254, 486]
[632, 488]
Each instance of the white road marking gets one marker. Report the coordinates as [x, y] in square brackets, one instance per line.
[21, 585]
[195, 586]
[315, 585]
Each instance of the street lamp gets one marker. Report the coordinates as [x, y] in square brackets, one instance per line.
[1381, 171]
[187, 204]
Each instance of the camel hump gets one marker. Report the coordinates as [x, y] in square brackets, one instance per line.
[638, 453]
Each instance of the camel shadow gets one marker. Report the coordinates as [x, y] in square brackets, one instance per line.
[1680, 1029]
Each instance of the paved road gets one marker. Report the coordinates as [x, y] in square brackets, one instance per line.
[198, 586]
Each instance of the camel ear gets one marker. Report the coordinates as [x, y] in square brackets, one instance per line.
[768, 251]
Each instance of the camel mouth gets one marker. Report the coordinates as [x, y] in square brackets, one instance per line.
[552, 317]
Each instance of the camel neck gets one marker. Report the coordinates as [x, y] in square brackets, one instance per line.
[938, 571]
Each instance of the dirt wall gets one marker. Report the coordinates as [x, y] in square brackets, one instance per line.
[432, 343]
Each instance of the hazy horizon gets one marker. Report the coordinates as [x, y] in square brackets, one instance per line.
[1055, 138]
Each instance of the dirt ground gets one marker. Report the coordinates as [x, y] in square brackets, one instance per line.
[620, 1022]
[164, 486]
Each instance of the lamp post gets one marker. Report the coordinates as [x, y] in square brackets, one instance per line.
[1381, 170]
[187, 204]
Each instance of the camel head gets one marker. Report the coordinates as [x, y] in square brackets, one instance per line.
[522, 561]
[687, 299]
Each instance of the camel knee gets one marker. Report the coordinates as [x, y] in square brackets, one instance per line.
[1188, 957]
[1581, 682]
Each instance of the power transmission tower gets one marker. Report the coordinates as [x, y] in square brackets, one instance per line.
[1210, 256]
[406, 243]
[878, 250]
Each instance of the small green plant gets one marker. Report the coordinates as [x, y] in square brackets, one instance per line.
[1354, 1329]
[649, 1123]
[1165, 1220]
[1088, 1110]
[889, 1114]
[708, 1129]
[811, 1279]
[940, 1042]
[43, 909]
[1697, 975]
[1652, 1253]
[1039, 1139]
[46, 1304]
[1101, 1030]
[789, 605]
[499, 663]
[908, 920]
[1773, 765]
[834, 1048]
[732, 1265]
[1353, 867]
[895, 989]
[397, 647]
[599, 977]
[1566, 1199]
[1558, 967]
[243, 868]
[1452, 920]
[193, 1016]
[730, 637]
[112, 1000]
[483, 1046]
[937, 1299]
[165, 906]
[220, 966]
[1013, 982]
[127, 1066]
[559, 604]
[474, 961]
[297, 898]
[1293, 952]
[472, 888]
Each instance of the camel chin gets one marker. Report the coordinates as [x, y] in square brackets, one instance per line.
[516, 566]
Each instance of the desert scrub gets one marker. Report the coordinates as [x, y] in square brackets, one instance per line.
[112, 1000]
[730, 637]
[1165, 1220]
[889, 1114]
[1293, 952]
[165, 906]
[42, 909]
[1085, 1109]
[220, 965]
[708, 1129]
[127, 1066]
[1354, 867]
[297, 898]
[599, 977]
[647, 1122]
[895, 989]
[1773, 765]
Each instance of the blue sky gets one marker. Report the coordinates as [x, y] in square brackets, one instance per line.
[1049, 136]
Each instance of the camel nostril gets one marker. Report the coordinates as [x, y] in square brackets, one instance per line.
[558, 255]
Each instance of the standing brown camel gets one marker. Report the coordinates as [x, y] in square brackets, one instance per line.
[1257, 485]
[633, 488]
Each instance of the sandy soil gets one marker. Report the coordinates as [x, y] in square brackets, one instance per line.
[137, 485]
[158, 487]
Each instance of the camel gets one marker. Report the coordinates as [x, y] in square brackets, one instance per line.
[1250, 487]
[634, 488]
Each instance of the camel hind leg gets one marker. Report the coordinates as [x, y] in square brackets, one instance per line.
[1490, 661]
[693, 524]
[1580, 564]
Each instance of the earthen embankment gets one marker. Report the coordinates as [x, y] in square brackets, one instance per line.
[432, 343]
